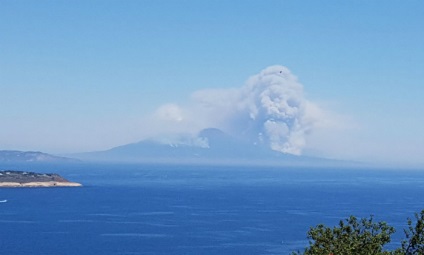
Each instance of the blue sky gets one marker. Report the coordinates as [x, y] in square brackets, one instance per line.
[86, 75]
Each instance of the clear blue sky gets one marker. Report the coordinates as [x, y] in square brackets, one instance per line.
[83, 75]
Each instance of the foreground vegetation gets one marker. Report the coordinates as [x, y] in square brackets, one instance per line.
[364, 237]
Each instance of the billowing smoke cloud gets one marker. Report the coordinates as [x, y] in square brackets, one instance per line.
[277, 110]
[270, 110]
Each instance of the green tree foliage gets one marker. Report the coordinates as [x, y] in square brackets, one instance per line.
[414, 243]
[364, 237]
[350, 237]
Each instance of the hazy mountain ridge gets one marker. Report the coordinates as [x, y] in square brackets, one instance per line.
[216, 147]
[31, 156]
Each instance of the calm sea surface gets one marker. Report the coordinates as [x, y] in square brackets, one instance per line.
[148, 209]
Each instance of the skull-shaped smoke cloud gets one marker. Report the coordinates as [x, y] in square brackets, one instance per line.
[270, 110]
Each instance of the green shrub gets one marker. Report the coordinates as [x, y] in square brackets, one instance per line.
[364, 237]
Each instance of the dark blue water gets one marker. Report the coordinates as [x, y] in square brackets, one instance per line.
[147, 209]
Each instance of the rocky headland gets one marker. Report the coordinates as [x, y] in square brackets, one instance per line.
[11, 178]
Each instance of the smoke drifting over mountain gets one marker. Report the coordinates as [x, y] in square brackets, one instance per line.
[270, 110]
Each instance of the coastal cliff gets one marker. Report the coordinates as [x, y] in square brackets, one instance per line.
[10, 178]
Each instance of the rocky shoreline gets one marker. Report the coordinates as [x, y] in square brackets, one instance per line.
[16, 179]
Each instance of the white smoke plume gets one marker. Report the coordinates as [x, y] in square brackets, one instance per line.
[277, 110]
[270, 109]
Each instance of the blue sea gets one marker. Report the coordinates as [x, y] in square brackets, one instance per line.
[168, 209]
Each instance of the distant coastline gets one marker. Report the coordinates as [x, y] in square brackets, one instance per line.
[16, 179]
